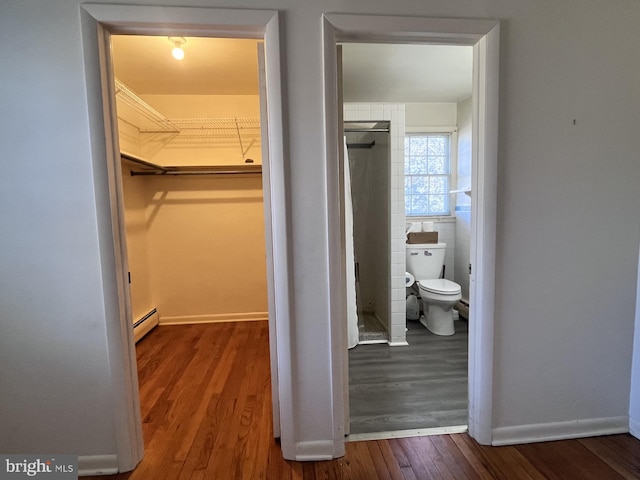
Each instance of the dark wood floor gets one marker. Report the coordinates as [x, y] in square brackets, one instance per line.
[207, 415]
[422, 385]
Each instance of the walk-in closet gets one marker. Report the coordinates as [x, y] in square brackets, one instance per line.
[190, 142]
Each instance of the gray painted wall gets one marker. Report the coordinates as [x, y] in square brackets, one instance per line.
[566, 283]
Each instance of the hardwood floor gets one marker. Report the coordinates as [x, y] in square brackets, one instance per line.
[205, 398]
[422, 385]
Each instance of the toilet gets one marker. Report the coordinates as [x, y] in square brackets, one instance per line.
[439, 295]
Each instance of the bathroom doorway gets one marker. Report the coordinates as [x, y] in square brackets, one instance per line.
[484, 37]
[422, 385]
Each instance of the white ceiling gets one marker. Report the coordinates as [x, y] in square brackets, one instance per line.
[222, 66]
[406, 73]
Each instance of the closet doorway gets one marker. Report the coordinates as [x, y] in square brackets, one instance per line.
[192, 141]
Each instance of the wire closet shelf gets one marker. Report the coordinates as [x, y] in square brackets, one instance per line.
[244, 132]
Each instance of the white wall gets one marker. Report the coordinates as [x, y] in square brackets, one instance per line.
[462, 200]
[634, 402]
[566, 287]
[425, 115]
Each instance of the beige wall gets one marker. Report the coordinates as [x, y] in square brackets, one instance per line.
[206, 247]
[195, 243]
[135, 205]
[196, 247]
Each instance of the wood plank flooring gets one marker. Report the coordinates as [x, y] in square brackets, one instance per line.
[422, 385]
[205, 399]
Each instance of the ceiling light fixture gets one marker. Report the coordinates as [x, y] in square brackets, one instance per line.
[177, 52]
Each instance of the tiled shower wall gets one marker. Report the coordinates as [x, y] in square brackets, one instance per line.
[395, 113]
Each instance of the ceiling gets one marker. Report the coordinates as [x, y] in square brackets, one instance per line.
[223, 66]
[211, 66]
[406, 73]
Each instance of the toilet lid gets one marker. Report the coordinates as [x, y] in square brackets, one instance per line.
[440, 285]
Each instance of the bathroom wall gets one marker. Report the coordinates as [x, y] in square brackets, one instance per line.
[438, 117]
[463, 201]
[395, 113]
[434, 115]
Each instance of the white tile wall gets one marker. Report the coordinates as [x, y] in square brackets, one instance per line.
[395, 113]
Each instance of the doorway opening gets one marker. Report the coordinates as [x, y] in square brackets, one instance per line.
[483, 37]
[190, 140]
[189, 136]
[396, 185]
[99, 23]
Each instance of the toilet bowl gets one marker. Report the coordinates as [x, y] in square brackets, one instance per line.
[439, 295]
[438, 298]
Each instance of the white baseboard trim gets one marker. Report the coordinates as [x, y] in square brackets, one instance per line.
[97, 465]
[634, 427]
[398, 344]
[545, 432]
[314, 451]
[214, 318]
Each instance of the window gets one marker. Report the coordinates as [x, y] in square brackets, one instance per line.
[427, 166]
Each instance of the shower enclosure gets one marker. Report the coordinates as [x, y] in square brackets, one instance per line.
[368, 161]
[383, 221]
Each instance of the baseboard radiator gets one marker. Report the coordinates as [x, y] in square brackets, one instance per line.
[463, 308]
[145, 324]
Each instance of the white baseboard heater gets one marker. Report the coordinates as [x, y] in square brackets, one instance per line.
[145, 324]
[463, 308]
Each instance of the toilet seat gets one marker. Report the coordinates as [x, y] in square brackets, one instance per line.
[441, 286]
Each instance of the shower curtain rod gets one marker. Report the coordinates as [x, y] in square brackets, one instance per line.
[361, 145]
[366, 130]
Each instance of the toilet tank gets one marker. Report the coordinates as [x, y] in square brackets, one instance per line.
[424, 261]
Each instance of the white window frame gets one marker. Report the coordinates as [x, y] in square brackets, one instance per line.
[452, 131]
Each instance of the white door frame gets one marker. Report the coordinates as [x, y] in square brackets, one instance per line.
[484, 36]
[98, 22]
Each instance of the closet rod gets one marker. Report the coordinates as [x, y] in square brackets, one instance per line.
[257, 171]
[191, 170]
[139, 161]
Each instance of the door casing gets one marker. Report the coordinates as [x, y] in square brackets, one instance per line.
[484, 36]
[99, 21]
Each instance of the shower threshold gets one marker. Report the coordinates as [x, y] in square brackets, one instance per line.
[371, 330]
